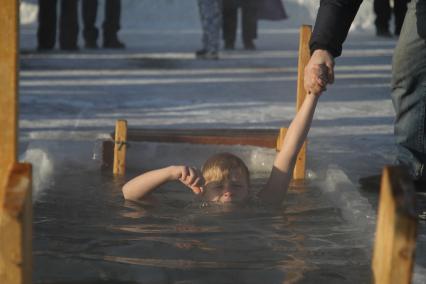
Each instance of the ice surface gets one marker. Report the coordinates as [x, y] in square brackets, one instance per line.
[42, 169]
[50, 157]
[355, 207]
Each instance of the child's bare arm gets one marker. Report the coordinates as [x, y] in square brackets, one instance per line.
[280, 177]
[141, 186]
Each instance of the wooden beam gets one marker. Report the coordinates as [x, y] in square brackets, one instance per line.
[16, 227]
[120, 148]
[9, 17]
[300, 167]
[304, 56]
[253, 137]
[249, 137]
[280, 139]
[394, 247]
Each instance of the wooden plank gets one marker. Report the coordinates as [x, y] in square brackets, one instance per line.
[280, 139]
[120, 148]
[16, 227]
[304, 56]
[253, 137]
[9, 13]
[300, 167]
[395, 242]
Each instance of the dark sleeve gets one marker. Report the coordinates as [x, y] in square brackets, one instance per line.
[332, 25]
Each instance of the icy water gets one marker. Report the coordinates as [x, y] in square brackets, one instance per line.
[84, 232]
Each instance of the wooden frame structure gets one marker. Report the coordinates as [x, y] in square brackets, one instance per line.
[270, 138]
[15, 178]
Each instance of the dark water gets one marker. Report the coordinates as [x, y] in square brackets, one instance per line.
[85, 232]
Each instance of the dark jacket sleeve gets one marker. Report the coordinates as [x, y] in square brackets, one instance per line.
[332, 24]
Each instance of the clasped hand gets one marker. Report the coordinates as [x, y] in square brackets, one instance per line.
[319, 72]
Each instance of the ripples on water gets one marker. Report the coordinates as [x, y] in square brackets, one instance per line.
[85, 232]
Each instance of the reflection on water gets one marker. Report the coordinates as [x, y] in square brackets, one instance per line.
[84, 232]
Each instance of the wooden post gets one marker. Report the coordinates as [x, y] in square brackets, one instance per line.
[9, 16]
[15, 179]
[16, 227]
[280, 138]
[304, 56]
[394, 247]
[300, 167]
[120, 147]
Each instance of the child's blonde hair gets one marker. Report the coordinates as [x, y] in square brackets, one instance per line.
[221, 166]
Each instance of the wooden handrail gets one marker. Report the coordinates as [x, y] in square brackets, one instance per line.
[304, 56]
[8, 88]
[254, 137]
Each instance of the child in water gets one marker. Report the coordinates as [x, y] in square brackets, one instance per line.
[224, 177]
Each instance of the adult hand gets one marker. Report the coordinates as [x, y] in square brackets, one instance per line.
[319, 72]
[189, 176]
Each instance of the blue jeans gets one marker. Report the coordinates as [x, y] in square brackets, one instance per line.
[409, 90]
[211, 23]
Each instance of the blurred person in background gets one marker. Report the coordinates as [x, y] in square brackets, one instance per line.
[47, 23]
[251, 12]
[383, 11]
[110, 26]
[248, 22]
[211, 21]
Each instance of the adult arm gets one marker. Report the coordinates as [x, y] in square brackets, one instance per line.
[332, 25]
[331, 29]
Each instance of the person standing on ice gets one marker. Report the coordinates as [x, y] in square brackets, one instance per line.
[110, 26]
[383, 11]
[248, 22]
[211, 22]
[408, 74]
[47, 23]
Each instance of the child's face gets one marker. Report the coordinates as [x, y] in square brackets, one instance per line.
[235, 189]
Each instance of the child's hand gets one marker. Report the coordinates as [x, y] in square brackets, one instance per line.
[189, 176]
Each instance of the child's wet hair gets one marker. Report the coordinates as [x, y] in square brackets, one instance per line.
[219, 167]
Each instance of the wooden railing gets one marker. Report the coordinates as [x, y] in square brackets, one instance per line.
[271, 138]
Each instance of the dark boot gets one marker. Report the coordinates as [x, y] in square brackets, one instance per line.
[249, 45]
[111, 24]
[90, 32]
[113, 42]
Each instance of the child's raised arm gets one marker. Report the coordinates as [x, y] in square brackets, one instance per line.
[281, 174]
[141, 186]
